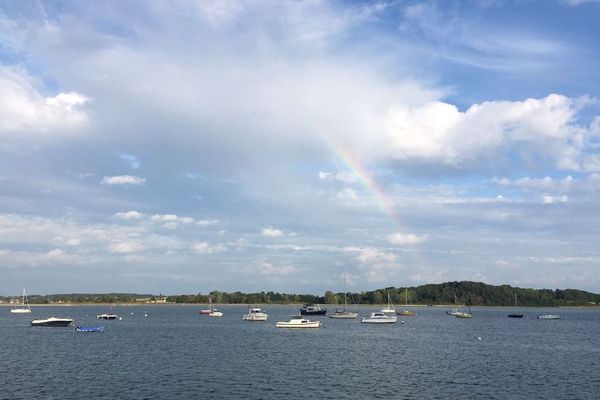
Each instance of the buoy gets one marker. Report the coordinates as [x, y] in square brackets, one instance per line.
[120, 318]
[479, 338]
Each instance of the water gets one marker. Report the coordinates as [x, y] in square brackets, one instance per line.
[174, 353]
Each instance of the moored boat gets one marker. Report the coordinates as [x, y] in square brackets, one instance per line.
[24, 309]
[379, 318]
[343, 314]
[548, 316]
[52, 321]
[255, 314]
[515, 315]
[312, 309]
[107, 316]
[298, 321]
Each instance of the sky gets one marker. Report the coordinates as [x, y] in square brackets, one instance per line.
[298, 146]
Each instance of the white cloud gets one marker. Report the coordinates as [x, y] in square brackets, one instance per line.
[125, 247]
[270, 270]
[373, 255]
[323, 176]
[438, 131]
[129, 215]
[399, 238]
[207, 248]
[164, 218]
[55, 253]
[24, 109]
[73, 242]
[207, 222]
[553, 199]
[123, 180]
[272, 232]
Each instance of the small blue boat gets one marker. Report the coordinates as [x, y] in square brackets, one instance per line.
[89, 329]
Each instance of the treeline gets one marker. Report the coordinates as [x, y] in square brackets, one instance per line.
[84, 298]
[469, 293]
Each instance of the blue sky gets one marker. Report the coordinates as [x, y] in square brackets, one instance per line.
[185, 146]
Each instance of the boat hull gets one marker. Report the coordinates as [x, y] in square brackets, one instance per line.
[316, 312]
[53, 322]
[20, 311]
[549, 316]
[344, 315]
[515, 315]
[298, 323]
[390, 320]
[406, 313]
[255, 317]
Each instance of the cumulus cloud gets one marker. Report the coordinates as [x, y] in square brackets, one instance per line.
[400, 239]
[129, 215]
[438, 131]
[207, 248]
[272, 232]
[24, 109]
[123, 180]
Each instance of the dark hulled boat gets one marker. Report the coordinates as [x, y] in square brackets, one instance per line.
[312, 309]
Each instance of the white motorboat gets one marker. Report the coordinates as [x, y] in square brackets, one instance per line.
[215, 313]
[379, 318]
[107, 316]
[24, 309]
[549, 316]
[255, 314]
[52, 321]
[298, 321]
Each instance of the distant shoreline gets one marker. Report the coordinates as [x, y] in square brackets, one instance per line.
[274, 305]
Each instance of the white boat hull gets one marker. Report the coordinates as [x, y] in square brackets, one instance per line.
[20, 311]
[390, 320]
[298, 324]
[255, 317]
[345, 315]
[52, 321]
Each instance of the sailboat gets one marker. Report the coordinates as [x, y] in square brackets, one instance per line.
[458, 311]
[390, 308]
[213, 311]
[406, 312]
[343, 313]
[515, 315]
[24, 308]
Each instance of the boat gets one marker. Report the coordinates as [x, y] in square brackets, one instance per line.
[406, 312]
[89, 329]
[107, 316]
[298, 322]
[548, 316]
[24, 309]
[52, 321]
[343, 313]
[379, 318]
[210, 311]
[458, 311]
[390, 308]
[515, 315]
[255, 314]
[312, 309]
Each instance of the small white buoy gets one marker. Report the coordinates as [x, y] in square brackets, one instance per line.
[479, 338]
[131, 313]
[145, 315]
[120, 318]
[401, 322]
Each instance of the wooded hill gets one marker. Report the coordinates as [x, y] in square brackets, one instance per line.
[471, 293]
[467, 293]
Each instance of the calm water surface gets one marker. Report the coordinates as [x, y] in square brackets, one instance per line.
[174, 353]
